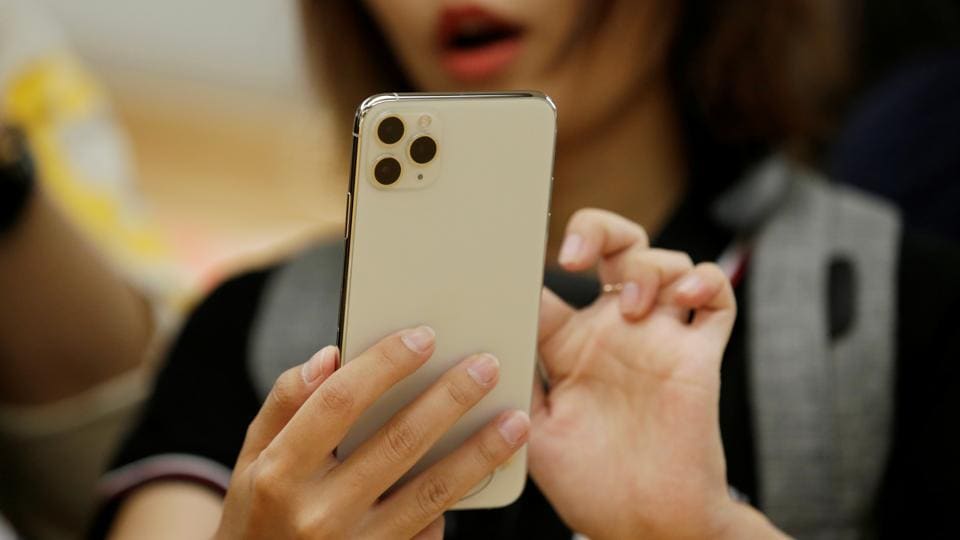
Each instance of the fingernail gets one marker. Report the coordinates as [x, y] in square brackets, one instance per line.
[570, 250]
[419, 339]
[514, 426]
[324, 361]
[630, 297]
[483, 369]
[689, 285]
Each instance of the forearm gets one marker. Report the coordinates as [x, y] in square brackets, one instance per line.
[68, 321]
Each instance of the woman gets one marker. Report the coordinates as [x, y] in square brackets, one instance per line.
[625, 441]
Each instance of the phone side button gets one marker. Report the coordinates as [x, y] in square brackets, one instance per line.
[346, 218]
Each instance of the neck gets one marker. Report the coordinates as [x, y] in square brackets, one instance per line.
[631, 164]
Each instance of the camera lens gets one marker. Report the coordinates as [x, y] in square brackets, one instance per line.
[387, 171]
[423, 150]
[390, 130]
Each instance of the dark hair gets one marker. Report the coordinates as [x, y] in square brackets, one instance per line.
[750, 75]
[350, 59]
[757, 75]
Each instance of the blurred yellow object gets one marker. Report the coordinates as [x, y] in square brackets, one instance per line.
[83, 162]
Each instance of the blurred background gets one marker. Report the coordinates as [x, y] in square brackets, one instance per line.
[225, 136]
[230, 148]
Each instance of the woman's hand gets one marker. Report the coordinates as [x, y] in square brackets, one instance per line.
[626, 442]
[288, 484]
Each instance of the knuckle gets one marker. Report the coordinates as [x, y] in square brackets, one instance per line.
[402, 440]
[584, 217]
[638, 260]
[584, 213]
[642, 238]
[336, 396]
[285, 394]
[433, 496]
[487, 455]
[267, 483]
[321, 517]
[305, 527]
[322, 521]
[711, 270]
[308, 527]
[394, 353]
[682, 258]
[461, 396]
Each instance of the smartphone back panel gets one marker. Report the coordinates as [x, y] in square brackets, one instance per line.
[458, 244]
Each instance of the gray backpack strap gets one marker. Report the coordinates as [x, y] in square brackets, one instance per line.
[298, 315]
[822, 409]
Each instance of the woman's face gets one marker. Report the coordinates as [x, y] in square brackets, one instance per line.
[590, 56]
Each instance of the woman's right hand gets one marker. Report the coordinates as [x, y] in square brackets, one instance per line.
[288, 484]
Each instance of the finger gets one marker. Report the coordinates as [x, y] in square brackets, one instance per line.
[704, 287]
[643, 273]
[320, 424]
[592, 234]
[288, 394]
[380, 461]
[554, 313]
[538, 403]
[708, 292]
[434, 531]
[423, 499]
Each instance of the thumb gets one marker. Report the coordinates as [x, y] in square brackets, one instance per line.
[554, 315]
[288, 394]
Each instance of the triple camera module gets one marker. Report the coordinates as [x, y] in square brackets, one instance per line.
[421, 150]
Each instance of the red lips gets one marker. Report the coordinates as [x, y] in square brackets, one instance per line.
[476, 44]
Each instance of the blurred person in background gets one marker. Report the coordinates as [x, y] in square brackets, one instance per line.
[86, 288]
[900, 140]
[690, 119]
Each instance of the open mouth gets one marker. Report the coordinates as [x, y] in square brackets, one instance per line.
[476, 44]
[477, 33]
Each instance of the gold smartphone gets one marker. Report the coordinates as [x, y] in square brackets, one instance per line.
[446, 226]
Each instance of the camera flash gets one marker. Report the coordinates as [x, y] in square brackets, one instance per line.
[424, 121]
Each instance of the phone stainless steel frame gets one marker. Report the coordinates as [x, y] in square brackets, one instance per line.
[536, 113]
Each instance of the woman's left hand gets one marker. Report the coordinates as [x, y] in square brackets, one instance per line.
[626, 441]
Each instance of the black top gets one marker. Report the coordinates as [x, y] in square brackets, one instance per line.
[204, 397]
